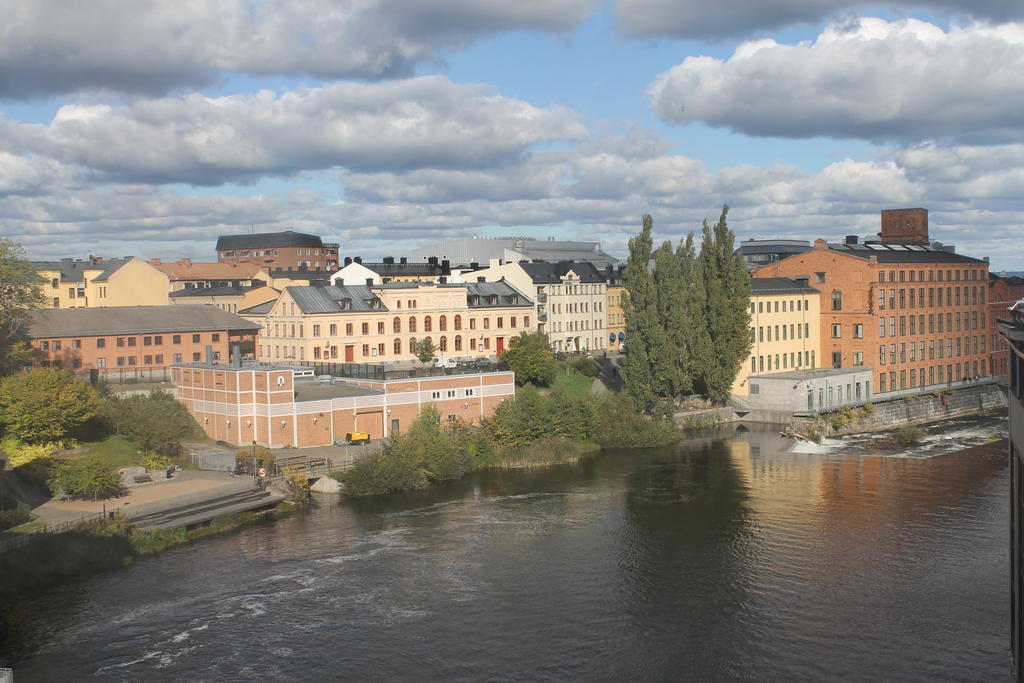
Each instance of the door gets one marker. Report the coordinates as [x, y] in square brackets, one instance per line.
[501, 345]
[350, 351]
[394, 428]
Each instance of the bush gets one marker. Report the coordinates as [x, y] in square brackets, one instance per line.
[543, 453]
[19, 453]
[156, 461]
[586, 366]
[296, 483]
[12, 518]
[908, 435]
[377, 473]
[529, 357]
[868, 408]
[84, 478]
[814, 434]
[619, 425]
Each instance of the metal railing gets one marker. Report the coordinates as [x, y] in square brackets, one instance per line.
[19, 540]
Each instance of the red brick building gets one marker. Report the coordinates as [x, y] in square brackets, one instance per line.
[134, 342]
[265, 404]
[286, 250]
[917, 313]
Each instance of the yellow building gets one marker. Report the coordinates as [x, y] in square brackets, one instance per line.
[785, 328]
[96, 282]
[385, 323]
[616, 317]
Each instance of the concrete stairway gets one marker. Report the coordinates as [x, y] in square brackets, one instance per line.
[196, 509]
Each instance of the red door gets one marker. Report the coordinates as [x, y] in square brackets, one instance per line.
[501, 345]
[349, 353]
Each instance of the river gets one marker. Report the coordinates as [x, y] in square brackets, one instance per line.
[728, 558]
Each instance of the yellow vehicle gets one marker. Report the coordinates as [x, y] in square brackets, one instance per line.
[357, 438]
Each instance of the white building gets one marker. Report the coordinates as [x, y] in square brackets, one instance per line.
[511, 249]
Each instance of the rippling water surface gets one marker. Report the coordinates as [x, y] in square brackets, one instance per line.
[728, 558]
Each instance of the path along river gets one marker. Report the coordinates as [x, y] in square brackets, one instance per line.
[728, 558]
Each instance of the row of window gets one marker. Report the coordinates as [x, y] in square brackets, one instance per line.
[936, 374]
[121, 361]
[584, 307]
[575, 325]
[793, 305]
[951, 347]
[572, 290]
[469, 392]
[794, 331]
[256, 252]
[101, 342]
[951, 322]
[782, 361]
[297, 330]
[331, 352]
[937, 297]
[834, 395]
[933, 275]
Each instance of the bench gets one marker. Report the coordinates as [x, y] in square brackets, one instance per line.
[142, 479]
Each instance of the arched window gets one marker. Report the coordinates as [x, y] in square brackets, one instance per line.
[412, 345]
[398, 345]
[396, 325]
[442, 344]
[458, 322]
[412, 324]
[442, 323]
[427, 327]
[458, 340]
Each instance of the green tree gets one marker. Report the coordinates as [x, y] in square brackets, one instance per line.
[426, 350]
[156, 421]
[529, 356]
[84, 478]
[726, 309]
[19, 292]
[45, 404]
[694, 332]
[642, 326]
[669, 353]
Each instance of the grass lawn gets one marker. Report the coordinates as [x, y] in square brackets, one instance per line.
[26, 528]
[114, 450]
[573, 383]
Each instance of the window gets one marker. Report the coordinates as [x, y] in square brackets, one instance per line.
[44, 345]
[858, 359]
[147, 341]
[316, 330]
[176, 339]
[458, 322]
[348, 329]
[858, 331]
[101, 343]
[366, 328]
[380, 327]
[881, 327]
[837, 330]
[120, 361]
[412, 324]
[837, 359]
[881, 354]
[837, 300]
[435, 395]
[195, 357]
[131, 360]
[101, 362]
[131, 341]
[176, 358]
[819, 277]
[881, 299]
[195, 340]
[469, 392]
[215, 337]
[147, 360]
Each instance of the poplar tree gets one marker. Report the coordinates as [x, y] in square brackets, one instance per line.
[640, 310]
[669, 349]
[694, 333]
[726, 309]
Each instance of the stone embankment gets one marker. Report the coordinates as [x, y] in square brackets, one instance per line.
[922, 409]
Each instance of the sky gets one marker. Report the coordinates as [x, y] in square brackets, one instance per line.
[148, 128]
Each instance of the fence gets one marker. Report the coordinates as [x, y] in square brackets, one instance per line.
[382, 372]
[20, 540]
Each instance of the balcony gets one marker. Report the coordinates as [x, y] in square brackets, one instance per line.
[542, 316]
[542, 298]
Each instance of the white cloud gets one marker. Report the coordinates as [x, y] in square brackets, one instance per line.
[153, 46]
[876, 80]
[698, 20]
[425, 122]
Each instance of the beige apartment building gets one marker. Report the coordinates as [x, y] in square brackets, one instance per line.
[97, 282]
[785, 328]
[385, 323]
[569, 299]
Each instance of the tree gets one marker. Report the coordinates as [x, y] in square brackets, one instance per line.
[425, 350]
[669, 353]
[726, 309]
[642, 325]
[529, 357]
[44, 405]
[79, 478]
[19, 292]
[694, 333]
[156, 422]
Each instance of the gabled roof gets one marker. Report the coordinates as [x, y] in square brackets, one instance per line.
[547, 272]
[330, 299]
[903, 253]
[228, 290]
[479, 294]
[70, 322]
[260, 308]
[268, 240]
[430, 270]
[215, 270]
[74, 271]
[761, 286]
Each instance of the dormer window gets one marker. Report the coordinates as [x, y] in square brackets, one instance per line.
[374, 303]
[492, 299]
[346, 304]
[513, 299]
[474, 300]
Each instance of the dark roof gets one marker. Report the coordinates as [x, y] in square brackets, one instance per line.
[302, 274]
[903, 253]
[68, 322]
[227, 290]
[268, 240]
[74, 271]
[772, 247]
[409, 269]
[779, 285]
[480, 293]
[317, 300]
[547, 272]
[259, 309]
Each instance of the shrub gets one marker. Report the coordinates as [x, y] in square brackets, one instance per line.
[156, 461]
[546, 452]
[619, 425]
[868, 408]
[156, 422]
[814, 434]
[586, 366]
[84, 478]
[296, 484]
[12, 518]
[377, 473]
[529, 357]
[44, 405]
[21, 453]
[908, 435]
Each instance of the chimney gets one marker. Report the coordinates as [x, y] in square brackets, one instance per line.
[348, 260]
[494, 263]
[904, 226]
[474, 265]
[152, 261]
[389, 260]
[432, 261]
[236, 355]
[850, 239]
[481, 278]
[369, 282]
[820, 244]
[403, 260]
[446, 266]
[358, 259]
[186, 262]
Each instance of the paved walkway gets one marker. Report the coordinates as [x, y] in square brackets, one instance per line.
[160, 492]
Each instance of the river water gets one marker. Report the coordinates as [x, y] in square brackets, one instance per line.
[728, 558]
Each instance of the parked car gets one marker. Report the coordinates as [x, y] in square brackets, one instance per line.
[445, 363]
